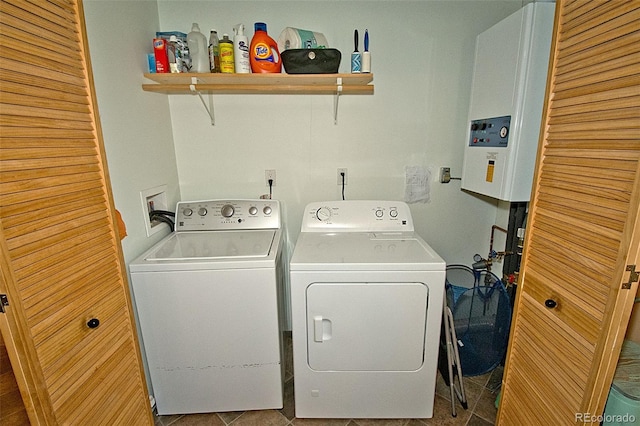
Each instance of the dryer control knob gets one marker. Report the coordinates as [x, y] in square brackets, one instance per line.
[379, 213]
[393, 213]
[202, 211]
[187, 212]
[253, 210]
[323, 213]
[227, 210]
[266, 210]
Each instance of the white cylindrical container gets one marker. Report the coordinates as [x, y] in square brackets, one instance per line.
[295, 38]
[241, 50]
[366, 62]
[198, 50]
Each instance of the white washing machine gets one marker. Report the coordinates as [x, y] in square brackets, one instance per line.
[208, 298]
[366, 300]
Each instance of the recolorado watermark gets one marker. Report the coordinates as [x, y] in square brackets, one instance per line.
[609, 418]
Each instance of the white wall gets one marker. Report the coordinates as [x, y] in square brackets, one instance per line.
[136, 125]
[422, 59]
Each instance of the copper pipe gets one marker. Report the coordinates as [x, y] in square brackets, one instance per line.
[493, 228]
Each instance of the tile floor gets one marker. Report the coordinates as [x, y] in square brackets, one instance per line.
[481, 394]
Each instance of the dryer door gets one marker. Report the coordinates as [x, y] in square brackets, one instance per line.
[366, 326]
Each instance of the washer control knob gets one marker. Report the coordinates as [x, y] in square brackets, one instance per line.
[227, 210]
[253, 210]
[267, 210]
[379, 213]
[187, 212]
[323, 214]
[202, 211]
[393, 213]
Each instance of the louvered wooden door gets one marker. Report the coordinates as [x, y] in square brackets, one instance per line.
[572, 309]
[61, 261]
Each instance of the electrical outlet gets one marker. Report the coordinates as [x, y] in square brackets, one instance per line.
[270, 175]
[340, 180]
[445, 174]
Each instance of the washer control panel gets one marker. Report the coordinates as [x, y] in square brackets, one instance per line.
[490, 132]
[357, 216]
[217, 215]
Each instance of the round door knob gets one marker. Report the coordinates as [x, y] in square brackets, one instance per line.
[93, 323]
[550, 303]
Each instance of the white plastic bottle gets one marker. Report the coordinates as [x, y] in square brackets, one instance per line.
[241, 50]
[198, 50]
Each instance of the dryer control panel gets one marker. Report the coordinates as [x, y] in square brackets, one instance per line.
[218, 215]
[357, 216]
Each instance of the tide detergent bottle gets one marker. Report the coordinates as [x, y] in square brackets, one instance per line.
[263, 55]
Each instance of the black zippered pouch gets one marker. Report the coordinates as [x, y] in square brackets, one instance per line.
[311, 61]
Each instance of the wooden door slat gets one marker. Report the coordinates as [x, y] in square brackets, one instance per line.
[582, 222]
[61, 260]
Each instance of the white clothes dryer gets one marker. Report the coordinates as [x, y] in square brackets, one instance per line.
[367, 299]
[208, 299]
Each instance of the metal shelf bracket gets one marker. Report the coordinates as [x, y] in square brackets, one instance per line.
[209, 107]
[335, 99]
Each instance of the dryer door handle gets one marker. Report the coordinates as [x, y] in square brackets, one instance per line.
[317, 329]
[321, 329]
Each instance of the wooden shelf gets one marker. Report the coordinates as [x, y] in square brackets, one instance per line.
[331, 84]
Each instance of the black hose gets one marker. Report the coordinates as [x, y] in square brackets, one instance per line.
[163, 212]
[161, 216]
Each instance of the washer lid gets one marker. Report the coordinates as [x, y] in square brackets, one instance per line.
[214, 245]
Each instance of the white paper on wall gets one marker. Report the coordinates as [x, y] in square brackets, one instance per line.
[417, 184]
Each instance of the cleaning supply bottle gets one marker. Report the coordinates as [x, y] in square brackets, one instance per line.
[226, 55]
[198, 50]
[214, 51]
[241, 50]
[263, 55]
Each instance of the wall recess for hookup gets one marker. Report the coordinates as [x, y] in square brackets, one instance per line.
[153, 199]
[340, 178]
